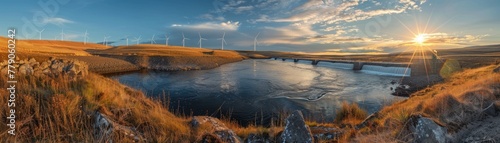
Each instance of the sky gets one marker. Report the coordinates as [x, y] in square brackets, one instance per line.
[320, 26]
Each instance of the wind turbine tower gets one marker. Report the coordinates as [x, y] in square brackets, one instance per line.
[86, 36]
[184, 40]
[166, 40]
[40, 34]
[255, 42]
[127, 39]
[106, 40]
[223, 41]
[62, 35]
[199, 42]
[153, 39]
[137, 40]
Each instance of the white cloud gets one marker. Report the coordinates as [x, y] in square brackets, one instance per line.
[230, 26]
[212, 17]
[56, 21]
[294, 34]
[329, 12]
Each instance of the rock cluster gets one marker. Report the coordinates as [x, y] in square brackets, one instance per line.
[51, 68]
[219, 130]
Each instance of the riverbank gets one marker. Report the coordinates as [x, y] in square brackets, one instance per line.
[170, 58]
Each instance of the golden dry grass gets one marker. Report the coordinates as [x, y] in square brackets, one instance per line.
[52, 47]
[161, 50]
[58, 110]
[350, 114]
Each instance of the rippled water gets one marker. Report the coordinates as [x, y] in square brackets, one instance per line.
[255, 91]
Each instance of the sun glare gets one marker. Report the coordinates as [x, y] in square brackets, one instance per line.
[420, 39]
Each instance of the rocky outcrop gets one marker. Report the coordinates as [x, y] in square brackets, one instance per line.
[50, 68]
[497, 70]
[217, 130]
[426, 130]
[105, 129]
[296, 130]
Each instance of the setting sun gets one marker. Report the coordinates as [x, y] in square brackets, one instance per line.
[420, 39]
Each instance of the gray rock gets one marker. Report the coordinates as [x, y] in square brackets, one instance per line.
[497, 70]
[252, 138]
[104, 128]
[25, 69]
[296, 130]
[223, 133]
[32, 60]
[490, 110]
[44, 65]
[426, 130]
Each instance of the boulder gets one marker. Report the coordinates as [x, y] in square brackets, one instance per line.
[426, 130]
[219, 129]
[105, 128]
[497, 70]
[25, 69]
[296, 130]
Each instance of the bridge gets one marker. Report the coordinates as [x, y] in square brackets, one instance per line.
[419, 67]
[358, 65]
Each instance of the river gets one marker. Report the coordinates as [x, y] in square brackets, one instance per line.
[261, 91]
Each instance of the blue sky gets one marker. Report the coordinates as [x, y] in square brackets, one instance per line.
[332, 26]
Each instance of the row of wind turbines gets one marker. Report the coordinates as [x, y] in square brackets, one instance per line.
[137, 39]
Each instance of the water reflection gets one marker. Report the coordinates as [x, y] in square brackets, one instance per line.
[257, 91]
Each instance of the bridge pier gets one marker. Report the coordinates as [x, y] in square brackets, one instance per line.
[357, 66]
[295, 60]
[315, 62]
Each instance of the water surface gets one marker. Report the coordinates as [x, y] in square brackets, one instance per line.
[257, 91]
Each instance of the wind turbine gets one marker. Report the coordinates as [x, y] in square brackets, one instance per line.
[153, 39]
[62, 35]
[184, 40]
[137, 39]
[255, 42]
[223, 41]
[86, 37]
[40, 34]
[166, 40]
[199, 42]
[126, 37]
[106, 40]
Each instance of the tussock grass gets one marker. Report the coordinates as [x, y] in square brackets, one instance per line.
[350, 114]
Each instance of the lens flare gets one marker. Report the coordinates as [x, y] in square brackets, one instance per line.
[420, 39]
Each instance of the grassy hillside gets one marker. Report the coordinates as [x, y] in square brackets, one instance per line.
[161, 50]
[52, 47]
[58, 110]
[454, 104]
